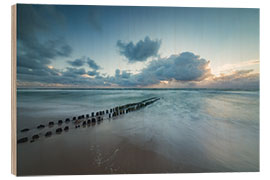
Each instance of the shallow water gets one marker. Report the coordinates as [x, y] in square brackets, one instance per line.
[186, 130]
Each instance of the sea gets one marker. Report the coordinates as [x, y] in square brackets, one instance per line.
[186, 130]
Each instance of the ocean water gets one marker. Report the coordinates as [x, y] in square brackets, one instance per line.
[205, 130]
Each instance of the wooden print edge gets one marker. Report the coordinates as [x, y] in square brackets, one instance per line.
[13, 89]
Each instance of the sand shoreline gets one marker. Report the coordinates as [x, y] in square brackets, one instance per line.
[99, 152]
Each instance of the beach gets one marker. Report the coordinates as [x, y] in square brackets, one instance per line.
[186, 130]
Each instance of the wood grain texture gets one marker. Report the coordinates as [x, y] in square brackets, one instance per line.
[13, 89]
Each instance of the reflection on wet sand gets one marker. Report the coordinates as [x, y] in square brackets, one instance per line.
[94, 151]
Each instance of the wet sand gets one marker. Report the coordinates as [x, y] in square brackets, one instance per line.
[93, 150]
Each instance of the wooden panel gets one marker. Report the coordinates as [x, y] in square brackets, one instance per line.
[13, 90]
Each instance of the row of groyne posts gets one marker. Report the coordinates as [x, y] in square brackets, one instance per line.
[82, 120]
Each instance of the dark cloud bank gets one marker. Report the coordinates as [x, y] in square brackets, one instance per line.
[186, 68]
[183, 67]
[34, 56]
[77, 62]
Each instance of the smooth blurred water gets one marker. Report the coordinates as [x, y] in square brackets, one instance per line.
[214, 129]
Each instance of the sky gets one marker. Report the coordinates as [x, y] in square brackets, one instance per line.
[141, 47]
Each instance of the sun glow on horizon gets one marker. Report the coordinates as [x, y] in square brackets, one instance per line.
[229, 68]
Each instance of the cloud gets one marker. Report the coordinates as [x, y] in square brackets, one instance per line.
[73, 72]
[33, 20]
[124, 74]
[234, 75]
[92, 64]
[93, 73]
[117, 73]
[69, 77]
[34, 55]
[226, 68]
[240, 79]
[81, 61]
[184, 67]
[40, 55]
[140, 51]
[185, 70]
[77, 62]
